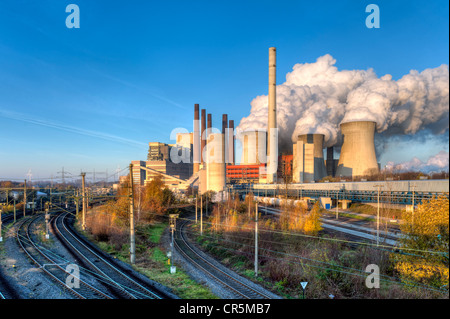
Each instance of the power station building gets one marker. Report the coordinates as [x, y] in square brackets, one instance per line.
[159, 163]
[205, 157]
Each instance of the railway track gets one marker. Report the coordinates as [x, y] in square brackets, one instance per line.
[226, 279]
[353, 232]
[51, 265]
[6, 291]
[118, 280]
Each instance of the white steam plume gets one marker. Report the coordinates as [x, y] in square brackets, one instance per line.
[436, 163]
[317, 97]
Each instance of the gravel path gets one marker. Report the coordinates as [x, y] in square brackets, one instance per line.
[24, 277]
[20, 274]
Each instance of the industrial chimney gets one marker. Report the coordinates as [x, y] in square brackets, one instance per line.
[358, 149]
[272, 135]
[196, 142]
[203, 134]
[230, 143]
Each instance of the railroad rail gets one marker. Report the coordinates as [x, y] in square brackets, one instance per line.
[104, 269]
[359, 233]
[49, 265]
[227, 280]
[392, 192]
[6, 291]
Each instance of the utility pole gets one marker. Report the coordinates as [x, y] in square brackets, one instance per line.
[413, 202]
[337, 203]
[378, 213]
[132, 238]
[83, 192]
[24, 198]
[1, 211]
[256, 239]
[196, 206]
[14, 209]
[201, 214]
[206, 210]
[77, 203]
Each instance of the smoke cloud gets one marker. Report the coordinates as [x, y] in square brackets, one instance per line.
[317, 97]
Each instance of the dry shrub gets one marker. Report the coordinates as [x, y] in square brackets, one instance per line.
[106, 226]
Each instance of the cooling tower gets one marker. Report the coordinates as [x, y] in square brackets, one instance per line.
[358, 149]
[215, 167]
[272, 150]
[253, 147]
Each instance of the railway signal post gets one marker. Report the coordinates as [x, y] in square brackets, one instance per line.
[173, 223]
[47, 218]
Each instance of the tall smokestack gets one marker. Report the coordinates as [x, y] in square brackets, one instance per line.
[272, 150]
[209, 124]
[224, 130]
[196, 142]
[203, 134]
[224, 123]
[230, 144]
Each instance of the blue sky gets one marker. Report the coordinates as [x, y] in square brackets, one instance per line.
[92, 98]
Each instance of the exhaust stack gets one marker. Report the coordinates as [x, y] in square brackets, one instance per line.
[196, 142]
[272, 136]
[203, 135]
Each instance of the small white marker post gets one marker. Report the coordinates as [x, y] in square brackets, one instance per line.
[304, 283]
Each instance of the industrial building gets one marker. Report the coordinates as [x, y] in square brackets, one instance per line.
[160, 163]
[244, 173]
[205, 157]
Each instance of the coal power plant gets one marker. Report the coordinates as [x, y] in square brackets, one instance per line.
[219, 159]
[259, 150]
